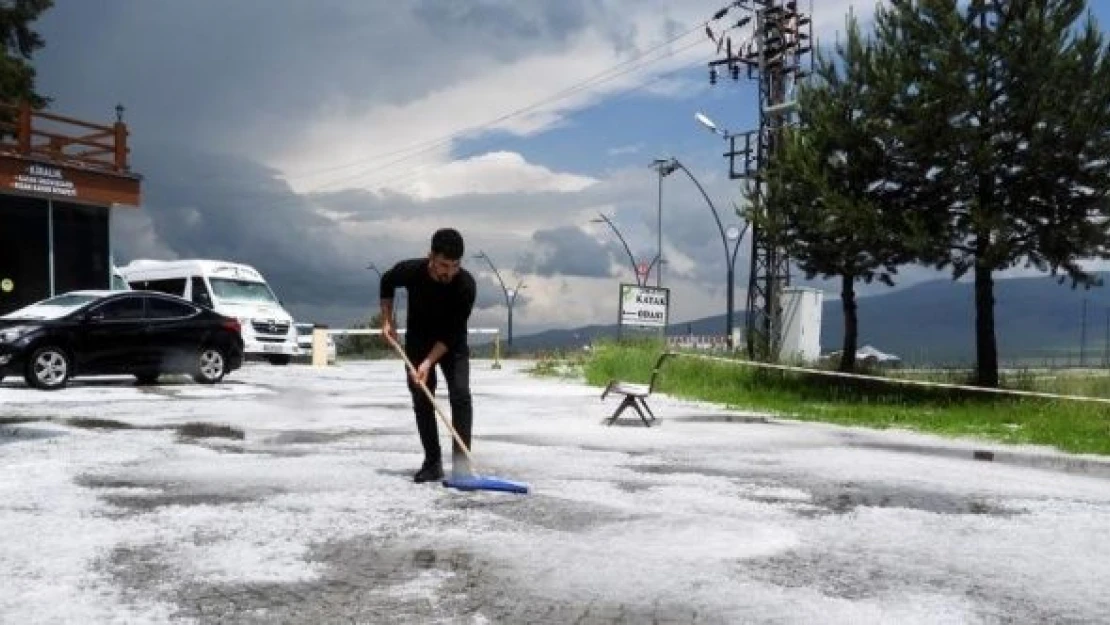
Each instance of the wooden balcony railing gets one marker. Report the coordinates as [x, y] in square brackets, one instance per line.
[63, 140]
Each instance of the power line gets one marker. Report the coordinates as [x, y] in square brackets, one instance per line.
[414, 172]
[553, 97]
[638, 62]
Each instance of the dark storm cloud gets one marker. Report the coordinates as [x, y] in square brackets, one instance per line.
[225, 74]
[204, 205]
[503, 20]
[569, 251]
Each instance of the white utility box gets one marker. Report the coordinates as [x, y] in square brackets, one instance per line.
[801, 325]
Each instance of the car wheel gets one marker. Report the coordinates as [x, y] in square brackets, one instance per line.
[279, 360]
[211, 365]
[145, 379]
[48, 368]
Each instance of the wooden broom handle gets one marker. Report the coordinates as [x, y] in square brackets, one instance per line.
[431, 398]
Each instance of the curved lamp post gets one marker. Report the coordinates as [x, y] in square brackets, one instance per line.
[664, 167]
[601, 218]
[510, 294]
[733, 234]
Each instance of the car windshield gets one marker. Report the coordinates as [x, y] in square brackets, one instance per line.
[53, 308]
[241, 290]
[304, 330]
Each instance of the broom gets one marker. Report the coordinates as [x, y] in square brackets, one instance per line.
[470, 481]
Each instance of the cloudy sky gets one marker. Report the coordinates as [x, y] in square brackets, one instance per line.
[311, 138]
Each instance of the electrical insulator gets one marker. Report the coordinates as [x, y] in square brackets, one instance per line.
[712, 75]
[735, 69]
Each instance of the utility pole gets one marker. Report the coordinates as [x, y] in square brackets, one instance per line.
[772, 37]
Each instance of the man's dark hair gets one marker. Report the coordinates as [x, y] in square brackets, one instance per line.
[448, 243]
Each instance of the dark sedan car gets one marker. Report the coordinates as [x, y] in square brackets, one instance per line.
[138, 333]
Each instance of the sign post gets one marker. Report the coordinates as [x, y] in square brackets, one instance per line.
[643, 307]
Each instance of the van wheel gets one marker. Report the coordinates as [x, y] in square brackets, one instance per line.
[48, 368]
[279, 360]
[211, 365]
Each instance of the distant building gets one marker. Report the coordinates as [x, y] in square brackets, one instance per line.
[60, 179]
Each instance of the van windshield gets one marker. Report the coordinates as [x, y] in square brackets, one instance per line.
[241, 290]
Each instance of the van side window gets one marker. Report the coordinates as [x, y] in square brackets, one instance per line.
[172, 286]
[200, 293]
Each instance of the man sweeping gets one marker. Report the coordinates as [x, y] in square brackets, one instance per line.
[440, 298]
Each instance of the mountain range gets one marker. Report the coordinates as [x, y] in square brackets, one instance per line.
[1036, 318]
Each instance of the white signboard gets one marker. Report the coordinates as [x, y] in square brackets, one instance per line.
[644, 306]
[43, 179]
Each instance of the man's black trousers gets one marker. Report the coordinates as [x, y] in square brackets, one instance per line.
[455, 366]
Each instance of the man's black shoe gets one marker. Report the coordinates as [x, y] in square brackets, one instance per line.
[430, 473]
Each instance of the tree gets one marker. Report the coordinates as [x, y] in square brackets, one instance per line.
[998, 120]
[825, 188]
[17, 76]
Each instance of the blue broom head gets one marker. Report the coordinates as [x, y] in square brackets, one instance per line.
[479, 482]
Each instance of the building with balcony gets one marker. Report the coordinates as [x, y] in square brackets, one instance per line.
[60, 180]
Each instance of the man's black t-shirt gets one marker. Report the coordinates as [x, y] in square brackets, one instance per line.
[436, 311]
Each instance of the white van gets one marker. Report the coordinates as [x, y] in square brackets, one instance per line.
[231, 289]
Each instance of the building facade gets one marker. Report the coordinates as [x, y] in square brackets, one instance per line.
[60, 180]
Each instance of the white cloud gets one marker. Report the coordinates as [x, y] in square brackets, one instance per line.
[494, 172]
[330, 120]
[360, 141]
[373, 145]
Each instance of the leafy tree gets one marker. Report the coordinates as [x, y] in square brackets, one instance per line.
[998, 120]
[825, 186]
[17, 76]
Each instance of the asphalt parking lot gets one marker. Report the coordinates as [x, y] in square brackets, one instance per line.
[284, 495]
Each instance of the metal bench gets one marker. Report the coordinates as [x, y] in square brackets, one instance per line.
[635, 395]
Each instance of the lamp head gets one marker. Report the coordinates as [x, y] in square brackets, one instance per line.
[709, 125]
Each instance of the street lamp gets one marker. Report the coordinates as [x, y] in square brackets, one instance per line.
[733, 234]
[708, 123]
[663, 167]
[375, 269]
[510, 294]
[601, 218]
